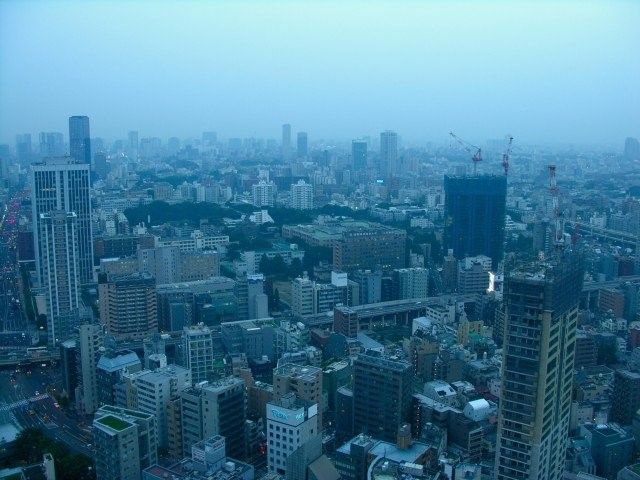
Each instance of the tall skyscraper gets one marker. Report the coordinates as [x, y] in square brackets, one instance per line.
[541, 313]
[286, 140]
[90, 340]
[382, 390]
[388, 152]
[51, 144]
[302, 146]
[359, 155]
[80, 139]
[60, 270]
[63, 184]
[23, 147]
[475, 215]
[132, 144]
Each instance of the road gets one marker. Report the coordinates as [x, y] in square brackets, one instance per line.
[26, 401]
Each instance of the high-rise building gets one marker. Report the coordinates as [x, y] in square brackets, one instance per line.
[80, 139]
[388, 153]
[216, 408]
[292, 427]
[625, 400]
[302, 195]
[541, 313]
[60, 272]
[112, 365]
[51, 144]
[69, 367]
[473, 275]
[90, 340]
[286, 140]
[264, 194]
[302, 296]
[411, 283]
[132, 144]
[611, 448]
[209, 140]
[475, 215]
[302, 145]
[197, 349]
[128, 306]
[63, 184]
[632, 148]
[23, 147]
[126, 442]
[156, 389]
[304, 381]
[382, 389]
[359, 155]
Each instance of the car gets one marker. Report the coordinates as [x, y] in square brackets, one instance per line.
[56, 404]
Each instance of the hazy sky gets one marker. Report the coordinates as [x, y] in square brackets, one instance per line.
[543, 71]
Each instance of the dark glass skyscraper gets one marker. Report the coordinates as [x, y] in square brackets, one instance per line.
[79, 139]
[475, 215]
[359, 154]
[302, 144]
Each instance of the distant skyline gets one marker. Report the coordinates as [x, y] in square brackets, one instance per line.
[547, 72]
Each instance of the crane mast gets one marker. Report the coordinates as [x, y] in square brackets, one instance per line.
[506, 155]
[558, 233]
[475, 151]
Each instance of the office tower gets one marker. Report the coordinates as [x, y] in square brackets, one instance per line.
[302, 147]
[625, 400]
[473, 275]
[126, 442]
[369, 285]
[132, 145]
[388, 153]
[410, 283]
[79, 139]
[209, 140]
[381, 395]
[216, 408]
[359, 155]
[304, 381]
[155, 391]
[257, 301]
[69, 367]
[23, 147]
[264, 194]
[197, 349]
[475, 216]
[611, 448]
[60, 269]
[286, 140]
[632, 148]
[51, 144]
[112, 365]
[302, 195]
[63, 184]
[90, 339]
[292, 424]
[128, 306]
[100, 165]
[541, 311]
[370, 248]
[302, 296]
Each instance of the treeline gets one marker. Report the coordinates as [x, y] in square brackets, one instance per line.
[158, 212]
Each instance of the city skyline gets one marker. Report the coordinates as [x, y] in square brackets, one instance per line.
[391, 69]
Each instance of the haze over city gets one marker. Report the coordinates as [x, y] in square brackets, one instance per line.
[548, 72]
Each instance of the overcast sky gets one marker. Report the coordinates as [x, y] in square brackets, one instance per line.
[544, 71]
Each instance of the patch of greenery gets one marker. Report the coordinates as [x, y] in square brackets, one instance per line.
[162, 212]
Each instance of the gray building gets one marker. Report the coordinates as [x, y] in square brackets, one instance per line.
[80, 139]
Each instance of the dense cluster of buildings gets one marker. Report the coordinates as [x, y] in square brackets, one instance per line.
[338, 314]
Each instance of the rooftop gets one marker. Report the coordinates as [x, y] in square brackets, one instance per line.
[113, 423]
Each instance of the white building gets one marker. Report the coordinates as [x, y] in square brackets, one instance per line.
[263, 194]
[291, 423]
[156, 388]
[197, 348]
[302, 296]
[63, 184]
[302, 196]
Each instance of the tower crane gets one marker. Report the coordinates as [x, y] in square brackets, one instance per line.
[506, 155]
[469, 147]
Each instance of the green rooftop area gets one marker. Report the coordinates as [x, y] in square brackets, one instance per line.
[635, 468]
[113, 422]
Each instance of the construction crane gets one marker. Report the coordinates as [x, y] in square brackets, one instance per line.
[506, 155]
[472, 149]
[558, 223]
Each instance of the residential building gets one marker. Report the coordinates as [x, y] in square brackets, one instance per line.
[197, 348]
[263, 194]
[389, 153]
[302, 195]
